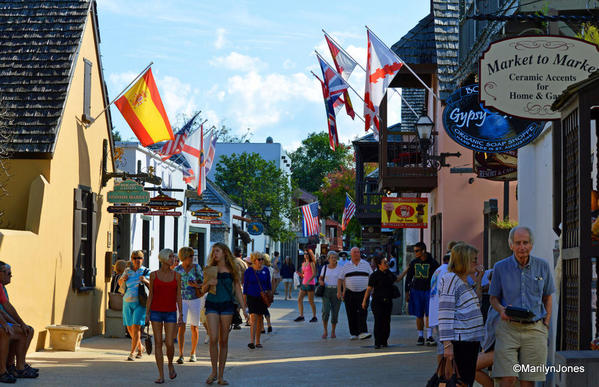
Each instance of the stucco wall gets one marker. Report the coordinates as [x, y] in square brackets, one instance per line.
[42, 259]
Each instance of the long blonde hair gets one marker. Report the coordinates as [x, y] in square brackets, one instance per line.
[229, 260]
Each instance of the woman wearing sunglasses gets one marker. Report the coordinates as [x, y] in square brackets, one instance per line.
[134, 314]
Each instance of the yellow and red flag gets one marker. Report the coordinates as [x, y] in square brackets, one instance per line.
[142, 108]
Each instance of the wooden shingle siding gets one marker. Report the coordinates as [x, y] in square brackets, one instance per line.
[38, 47]
[418, 45]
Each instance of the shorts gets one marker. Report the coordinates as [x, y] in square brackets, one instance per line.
[133, 314]
[256, 306]
[191, 311]
[307, 288]
[418, 305]
[164, 317]
[220, 308]
[276, 275]
[517, 343]
[287, 280]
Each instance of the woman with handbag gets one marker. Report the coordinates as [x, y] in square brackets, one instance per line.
[220, 307]
[330, 303]
[163, 302]
[258, 293]
[134, 312]
[461, 326]
[308, 275]
[191, 294]
[381, 285]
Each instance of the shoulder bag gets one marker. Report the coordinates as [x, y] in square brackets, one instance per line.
[198, 291]
[266, 295]
[320, 288]
[141, 292]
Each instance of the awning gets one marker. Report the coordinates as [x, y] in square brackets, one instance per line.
[245, 237]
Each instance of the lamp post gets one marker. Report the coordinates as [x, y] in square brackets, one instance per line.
[424, 127]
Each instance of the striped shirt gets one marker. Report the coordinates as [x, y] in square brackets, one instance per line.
[356, 276]
[460, 318]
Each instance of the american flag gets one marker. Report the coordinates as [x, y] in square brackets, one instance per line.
[173, 147]
[310, 224]
[348, 211]
[329, 104]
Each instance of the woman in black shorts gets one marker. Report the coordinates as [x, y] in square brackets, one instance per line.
[219, 308]
[255, 280]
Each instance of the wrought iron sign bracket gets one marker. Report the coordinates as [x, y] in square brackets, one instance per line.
[141, 176]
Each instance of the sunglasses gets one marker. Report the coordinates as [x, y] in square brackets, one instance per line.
[259, 259]
[136, 258]
[417, 250]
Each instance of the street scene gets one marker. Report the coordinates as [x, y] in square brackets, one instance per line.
[295, 193]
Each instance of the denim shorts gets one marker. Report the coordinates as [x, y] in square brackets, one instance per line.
[166, 317]
[307, 288]
[222, 308]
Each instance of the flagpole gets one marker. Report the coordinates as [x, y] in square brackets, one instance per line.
[359, 116]
[408, 67]
[121, 93]
[363, 69]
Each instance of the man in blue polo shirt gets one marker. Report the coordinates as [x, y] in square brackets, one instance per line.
[522, 281]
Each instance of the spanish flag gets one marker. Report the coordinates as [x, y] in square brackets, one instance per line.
[142, 108]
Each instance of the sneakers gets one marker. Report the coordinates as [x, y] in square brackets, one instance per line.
[236, 327]
[354, 338]
[364, 335]
[269, 329]
[206, 339]
[314, 319]
[131, 357]
[430, 341]
[300, 318]
[421, 340]
[377, 346]
[193, 358]
[180, 360]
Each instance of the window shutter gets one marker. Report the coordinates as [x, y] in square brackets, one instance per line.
[78, 282]
[87, 86]
[93, 235]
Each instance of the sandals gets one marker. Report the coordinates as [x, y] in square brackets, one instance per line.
[258, 345]
[172, 374]
[223, 382]
[27, 373]
[7, 378]
[159, 381]
[211, 379]
[251, 346]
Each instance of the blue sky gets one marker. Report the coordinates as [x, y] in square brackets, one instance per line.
[245, 63]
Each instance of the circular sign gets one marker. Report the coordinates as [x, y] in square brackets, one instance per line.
[404, 211]
[471, 125]
[255, 228]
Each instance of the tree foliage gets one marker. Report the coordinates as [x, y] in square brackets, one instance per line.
[331, 196]
[589, 32]
[314, 159]
[255, 184]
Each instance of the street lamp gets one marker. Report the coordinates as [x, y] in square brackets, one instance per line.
[424, 127]
[268, 212]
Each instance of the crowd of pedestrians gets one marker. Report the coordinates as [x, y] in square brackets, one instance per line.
[445, 298]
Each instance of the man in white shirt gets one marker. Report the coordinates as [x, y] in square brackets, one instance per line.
[351, 287]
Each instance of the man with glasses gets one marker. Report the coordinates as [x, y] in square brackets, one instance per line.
[418, 286]
[20, 334]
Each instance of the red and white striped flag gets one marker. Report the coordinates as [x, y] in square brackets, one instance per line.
[173, 147]
[310, 224]
[193, 151]
[348, 211]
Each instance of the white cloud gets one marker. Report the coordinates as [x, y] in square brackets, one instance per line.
[238, 62]
[220, 41]
[177, 97]
[119, 81]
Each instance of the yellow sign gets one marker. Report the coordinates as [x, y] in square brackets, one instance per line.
[404, 213]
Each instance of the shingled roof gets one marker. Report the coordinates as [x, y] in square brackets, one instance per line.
[418, 45]
[39, 42]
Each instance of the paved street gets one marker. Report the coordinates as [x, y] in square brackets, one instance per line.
[293, 353]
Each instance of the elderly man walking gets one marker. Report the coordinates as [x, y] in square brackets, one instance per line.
[525, 282]
[351, 287]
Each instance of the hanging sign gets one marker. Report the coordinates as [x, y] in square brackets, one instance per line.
[163, 213]
[127, 209]
[207, 212]
[523, 76]
[471, 125]
[255, 228]
[207, 221]
[128, 191]
[496, 166]
[404, 212]
[164, 202]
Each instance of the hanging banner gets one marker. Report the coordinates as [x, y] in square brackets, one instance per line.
[523, 76]
[496, 166]
[471, 125]
[404, 212]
